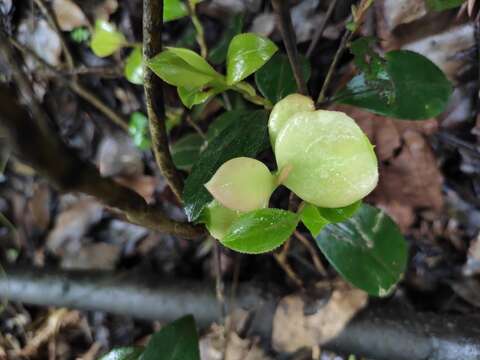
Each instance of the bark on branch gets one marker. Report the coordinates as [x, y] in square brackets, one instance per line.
[379, 332]
[152, 45]
[39, 146]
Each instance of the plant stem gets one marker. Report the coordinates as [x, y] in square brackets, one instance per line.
[282, 12]
[200, 33]
[219, 285]
[153, 85]
[347, 36]
[318, 34]
[45, 152]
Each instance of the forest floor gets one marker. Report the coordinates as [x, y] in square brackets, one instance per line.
[429, 183]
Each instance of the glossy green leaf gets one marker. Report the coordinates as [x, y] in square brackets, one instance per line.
[275, 80]
[124, 353]
[246, 54]
[440, 5]
[186, 150]
[138, 129]
[368, 250]
[183, 68]
[106, 39]
[196, 96]
[218, 54]
[312, 219]
[218, 219]
[134, 66]
[412, 88]
[260, 231]
[174, 9]
[246, 135]
[335, 215]
[176, 341]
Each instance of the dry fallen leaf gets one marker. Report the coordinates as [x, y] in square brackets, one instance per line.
[100, 256]
[472, 266]
[69, 15]
[293, 329]
[118, 156]
[39, 205]
[395, 13]
[409, 175]
[72, 225]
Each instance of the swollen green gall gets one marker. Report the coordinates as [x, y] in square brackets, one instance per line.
[284, 109]
[332, 162]
[218, 219]
[242, 184]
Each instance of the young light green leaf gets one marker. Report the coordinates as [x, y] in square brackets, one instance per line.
[260, 231]
[368, 250]
[312, 219]
[134, 66]
[245, 136]
[218, 219]
[138, 129]
[176, 341]
[275, 80]
[124, 353]
[410, 87]
[106, 39]
[242, 184]
[440, 5]
[80, 34]
[174, 9]
[183, 68]
[218, 54]
[186, 150]
[246, 54]
[195, 96]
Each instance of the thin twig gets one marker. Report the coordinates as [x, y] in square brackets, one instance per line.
[281, 259]
[347, 36]
[200, 32]
[197, 128]
[46, 153]
[313, 253]
[52, 19]
[152, 45]
[219, 285]
[318, 34]
[75, 86]
[282, 12]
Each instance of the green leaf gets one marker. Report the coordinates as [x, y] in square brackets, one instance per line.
[218, 54]
[260, 231]
[184, 68]
[440, 5]
[218, 219]
[411, 87]
[191, 97]
[138, 129]
[134, 66]
[335, 215]
[246, 135]
[219, 124]
[80, 34]
[124, 353]
[246, 54]
[186, 150]
[312, 219]
[176, 341]
[368, 250]
[106, 39]
[275, 80]
[316, 218]
[174, 9]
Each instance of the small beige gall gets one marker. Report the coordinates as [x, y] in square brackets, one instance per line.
[242, 184]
